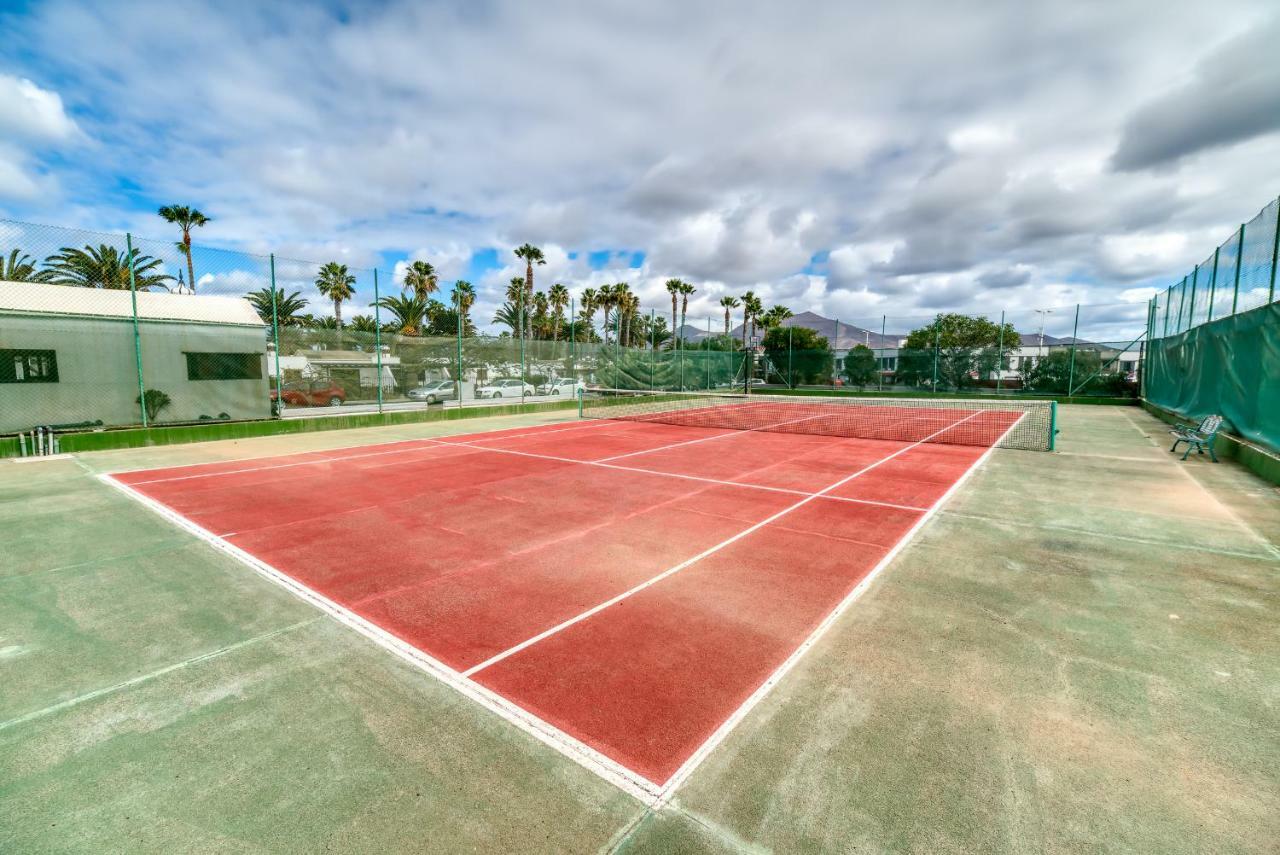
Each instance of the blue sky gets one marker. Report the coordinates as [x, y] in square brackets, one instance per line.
[854, 159]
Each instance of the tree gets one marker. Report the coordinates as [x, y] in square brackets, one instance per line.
[508, 315]
[658, 332]
[464, 297]
[288, 306]
[959, 347]
[408, 313]
[673, 288]
[859, 365]
[186, 218]
[558, 297]
[590, 298]
[775, 316]
[604, 301]
[728, 303]
[20, 267]
[104, 267]
[420, 278]
[531, 255]
[364, 324]
[798, 353]
[338, 285]
[1053, 372]
[685, 290]
[155, 402]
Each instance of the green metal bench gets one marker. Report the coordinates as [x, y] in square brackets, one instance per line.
[1199, 438]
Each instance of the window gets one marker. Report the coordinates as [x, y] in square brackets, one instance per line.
[28, 366]
[224, 366]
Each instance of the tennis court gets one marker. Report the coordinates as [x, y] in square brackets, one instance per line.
[624, 587]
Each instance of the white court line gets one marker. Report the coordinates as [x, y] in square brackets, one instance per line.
[630, 782]
[615, 773]
[728, 432]
[416, 446]
[560, 627]
[704, 750]
[741, 484]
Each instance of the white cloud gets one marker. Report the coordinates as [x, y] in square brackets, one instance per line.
[967, 166]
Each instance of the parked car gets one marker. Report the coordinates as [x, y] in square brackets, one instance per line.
[434, 391]
[504, 388]
[561, 386]
[315, 393]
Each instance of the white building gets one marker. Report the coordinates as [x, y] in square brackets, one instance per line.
[68, 356]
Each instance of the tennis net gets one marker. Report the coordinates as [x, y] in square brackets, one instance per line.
[957, 421]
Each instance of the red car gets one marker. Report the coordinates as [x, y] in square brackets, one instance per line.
[318, 393]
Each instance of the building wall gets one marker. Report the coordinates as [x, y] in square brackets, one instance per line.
[97, 373]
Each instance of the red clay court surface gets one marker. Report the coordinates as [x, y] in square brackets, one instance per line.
[632, 585]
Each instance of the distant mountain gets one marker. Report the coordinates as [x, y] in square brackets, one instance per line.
[841, 337]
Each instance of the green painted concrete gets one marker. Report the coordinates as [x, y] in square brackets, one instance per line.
[1077, 654]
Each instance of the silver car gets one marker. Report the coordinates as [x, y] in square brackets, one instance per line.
[434, 391]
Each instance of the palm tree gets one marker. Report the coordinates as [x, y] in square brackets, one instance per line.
[604, 300]
[364, 324]
[728, 303]
[775, 316]
[531, 256]
[464, 297]
[620, 295]
[104, 267]
[288, 306]
[685, 290]
[559, 299]
[420, 278]
[673, 288]
[749, 305]
[508, 314]
[590, 300]
[20, 267]
[408, 313]
[186, 218]
[336, 283]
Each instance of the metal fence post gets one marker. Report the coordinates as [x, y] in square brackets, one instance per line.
[1275, 256]
[706, 357]
[377, 336]
[791, 374]
[1071, 371]
[884, 321]
[1235, 296]
[137, 336]
[1213, 285]
[1000, 353]
[617, 345]
[522, 368]
[937, 335]
[275, 337]
[457, 308]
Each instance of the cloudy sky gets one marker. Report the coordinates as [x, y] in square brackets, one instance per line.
[856, 159]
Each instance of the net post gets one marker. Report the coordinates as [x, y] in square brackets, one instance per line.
[1075, 334]
[1053, 424]
[137, 334]
[275, 337]
[1235, 294]
[1275, 256]
[377, 337]
[1000, 353]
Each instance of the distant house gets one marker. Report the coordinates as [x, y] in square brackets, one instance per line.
[67, 356]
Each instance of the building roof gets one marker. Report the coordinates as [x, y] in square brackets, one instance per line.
[38, 298]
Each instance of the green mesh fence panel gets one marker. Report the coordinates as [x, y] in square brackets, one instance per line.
[1256, 259]
[1228, 368]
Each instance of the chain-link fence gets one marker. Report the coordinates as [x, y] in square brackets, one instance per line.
[104, 330]
[1238, 276]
